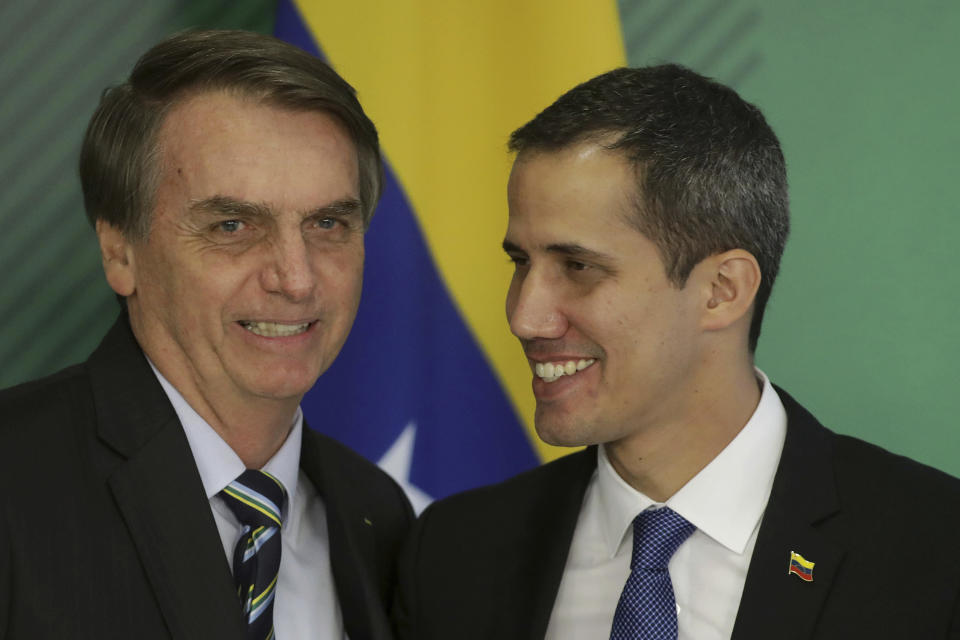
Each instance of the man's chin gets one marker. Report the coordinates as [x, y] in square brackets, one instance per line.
[282, 386]
[561, 433]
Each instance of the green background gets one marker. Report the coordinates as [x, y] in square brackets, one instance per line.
[865, 98]
[55, 60]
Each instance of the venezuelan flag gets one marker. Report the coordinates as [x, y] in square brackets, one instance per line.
[430, 383]
[800, 567]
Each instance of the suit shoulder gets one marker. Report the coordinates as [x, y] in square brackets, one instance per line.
[349, 460]
[886, 475]
[42, 425]
[874, 484]
[49, 400]
[868, 477]
[364, 479]
[522, 493]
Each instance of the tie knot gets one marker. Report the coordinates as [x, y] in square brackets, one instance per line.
[657, 534]
[256, 498]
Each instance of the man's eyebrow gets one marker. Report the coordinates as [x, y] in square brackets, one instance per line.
[509, 247]
[343, 207]
[225, 205]
[566, 249]
[228, 206]
[574, 250]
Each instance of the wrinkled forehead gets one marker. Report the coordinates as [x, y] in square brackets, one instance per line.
[213, 110]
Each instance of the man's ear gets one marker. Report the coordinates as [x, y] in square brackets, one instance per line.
[117, 255]
[732, 279]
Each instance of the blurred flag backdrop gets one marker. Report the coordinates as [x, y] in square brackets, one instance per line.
[862, 324]
[430, 384]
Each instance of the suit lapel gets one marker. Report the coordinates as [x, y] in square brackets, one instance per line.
[535, 578]
[351, 537]
[160, 496]
[168, 515]
[775, 604]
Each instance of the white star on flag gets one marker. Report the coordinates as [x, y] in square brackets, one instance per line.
[397, 461]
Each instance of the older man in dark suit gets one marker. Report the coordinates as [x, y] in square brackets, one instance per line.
[648, 214]
[169, 487]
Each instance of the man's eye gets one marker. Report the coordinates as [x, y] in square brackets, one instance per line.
[326, 223]
[517, 260]
[574, 265]
[230, 226]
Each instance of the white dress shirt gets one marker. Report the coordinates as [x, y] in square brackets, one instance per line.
[725, 501]
[306, 604]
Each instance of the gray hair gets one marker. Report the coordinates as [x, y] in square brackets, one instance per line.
[118, 165]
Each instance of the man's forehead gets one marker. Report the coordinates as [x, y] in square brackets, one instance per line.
[224, 154]
[563, 234]
[588, 163]
[238, 127]
[213, 105]
[562, 195]
[220, 112]
[596, 226]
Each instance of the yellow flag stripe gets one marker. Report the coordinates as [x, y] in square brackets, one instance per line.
[446, 82]
[803, 562]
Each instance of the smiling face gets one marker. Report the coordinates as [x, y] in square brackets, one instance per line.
[250, 278]
[590, 296]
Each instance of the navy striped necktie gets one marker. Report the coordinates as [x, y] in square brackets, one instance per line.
[648, 608]
[257, 498]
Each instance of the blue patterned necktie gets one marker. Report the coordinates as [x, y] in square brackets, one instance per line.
[647, 609]
[257, 498]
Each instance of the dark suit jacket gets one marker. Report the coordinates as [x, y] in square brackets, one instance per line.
[883, 531]
[106, 531]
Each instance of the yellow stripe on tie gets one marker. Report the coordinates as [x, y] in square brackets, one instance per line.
[446, 83]
[254, 505]
[266, 592]
[275, 479]
[255, 535]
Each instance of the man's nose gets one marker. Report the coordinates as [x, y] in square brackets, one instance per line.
[289, 270]
[534, 307]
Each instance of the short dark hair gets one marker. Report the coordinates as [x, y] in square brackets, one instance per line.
[710, 173]
[118, 167]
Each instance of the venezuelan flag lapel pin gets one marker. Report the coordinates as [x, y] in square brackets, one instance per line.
[800, 567]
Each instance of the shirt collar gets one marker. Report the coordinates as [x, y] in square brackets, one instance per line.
[217, 462]
[726, 499]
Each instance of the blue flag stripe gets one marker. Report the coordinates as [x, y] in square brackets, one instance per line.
[410, 359]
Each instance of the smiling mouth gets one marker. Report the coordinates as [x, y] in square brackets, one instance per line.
[275, 329]
[551, 371]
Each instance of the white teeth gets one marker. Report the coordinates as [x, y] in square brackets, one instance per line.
[275, 329]
[550, 371]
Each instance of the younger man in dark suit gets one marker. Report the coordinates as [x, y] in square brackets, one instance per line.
[648, 214]
[230, 180]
